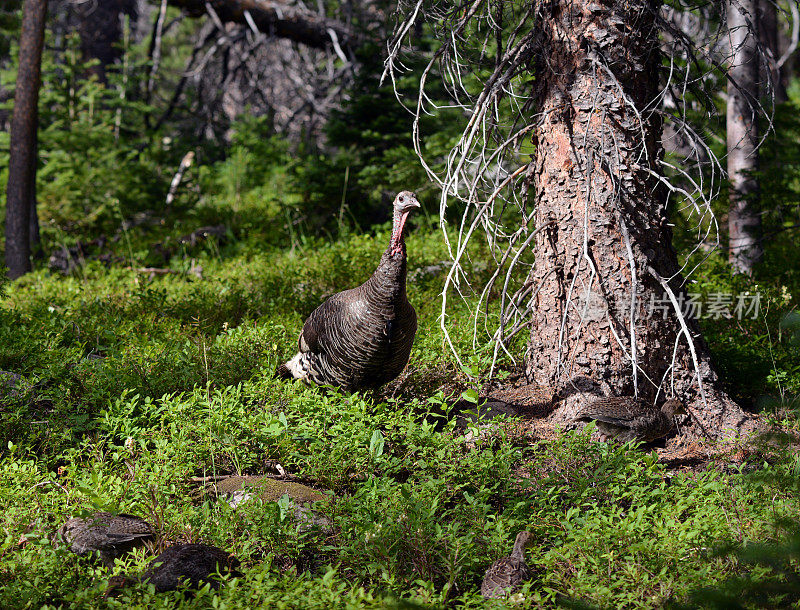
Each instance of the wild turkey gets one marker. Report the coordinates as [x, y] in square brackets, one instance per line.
[626, 418]
[105, 535]
[506, 575]
[190, 564]
[361, 338]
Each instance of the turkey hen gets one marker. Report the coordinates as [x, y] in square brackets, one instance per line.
[105, 535]
[507, 574]
[190, 564]
[361, 338]
[625, 418]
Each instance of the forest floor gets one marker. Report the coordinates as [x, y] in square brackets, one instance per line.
[143, 391]
[531, 407]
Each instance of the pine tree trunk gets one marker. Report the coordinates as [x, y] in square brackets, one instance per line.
[34, 236]
[21, 188]
[744, 221]
[100, 27]
[770, 41]
[600, 265]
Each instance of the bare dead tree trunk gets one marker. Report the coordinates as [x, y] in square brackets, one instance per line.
[744, 222]
[769, 39]
[21, 188]
[33, 233]
[100, 28]
[606, 255]
[140, 11]
[155, 50]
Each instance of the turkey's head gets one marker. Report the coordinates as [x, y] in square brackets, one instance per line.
[404, 203]
[673, 407]
[66, 533]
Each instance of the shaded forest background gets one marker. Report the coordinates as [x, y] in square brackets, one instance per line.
[125, 86]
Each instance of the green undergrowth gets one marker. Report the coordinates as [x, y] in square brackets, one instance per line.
[137, 388]
[417, 514]
[147, 371]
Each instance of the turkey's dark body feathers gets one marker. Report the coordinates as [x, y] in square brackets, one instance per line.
[193, 564]
[626, 419]
[361, 338]
[106, 535]
[504, 576]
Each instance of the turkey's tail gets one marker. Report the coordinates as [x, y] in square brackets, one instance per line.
[295, 368]
[283, 372]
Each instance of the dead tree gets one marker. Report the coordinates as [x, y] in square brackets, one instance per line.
[280, 19]
[779, 35]
[21, 188]
[100, 26]
[768, 28]
[604, 298]
[744, 222]
[244, 59]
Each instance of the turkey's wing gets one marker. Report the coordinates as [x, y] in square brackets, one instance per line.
[331, 319]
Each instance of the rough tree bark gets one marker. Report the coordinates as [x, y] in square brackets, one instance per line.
[21, 188]
[744, 221]
[33, 220]
[607, 255]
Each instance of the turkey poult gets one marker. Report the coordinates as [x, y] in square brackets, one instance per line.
[506, 575]
[361, 338]
[106, 535]
[190, 564]
[625, 419]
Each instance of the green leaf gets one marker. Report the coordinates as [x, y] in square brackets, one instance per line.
[470, 395]
[284, 503]
[376, 444]
[468, 370]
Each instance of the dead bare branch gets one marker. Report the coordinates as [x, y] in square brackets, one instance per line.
[277, 19]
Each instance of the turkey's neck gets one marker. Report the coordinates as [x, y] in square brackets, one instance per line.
[519, 550]
[397, 246]
[389, 279]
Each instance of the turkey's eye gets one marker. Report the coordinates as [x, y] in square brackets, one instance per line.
[401, 199]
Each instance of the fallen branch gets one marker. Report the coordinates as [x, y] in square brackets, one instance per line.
[194, 269]
[277, 19]
[186, 163]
